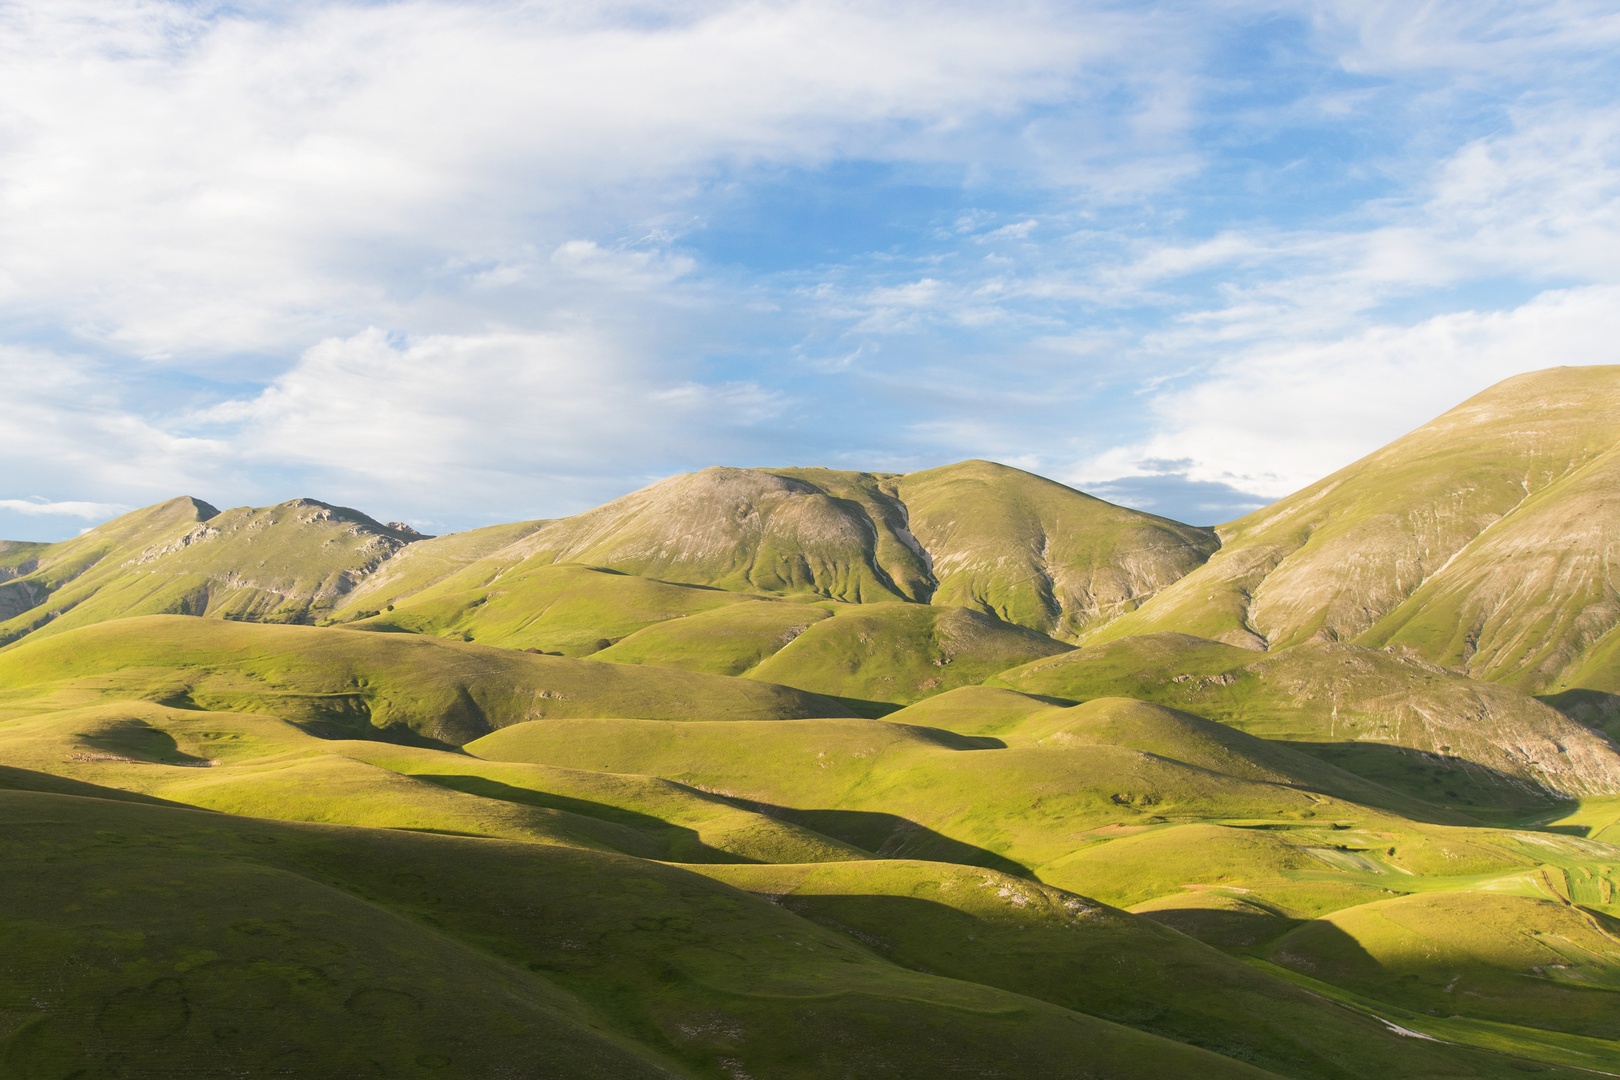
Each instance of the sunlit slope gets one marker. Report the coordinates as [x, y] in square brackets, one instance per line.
[1333, 559]
[1533, 600]
[890, 652]
[744, 530]
[568, 609]
[1393, 718]
[286, 563]
[731, 639]
[342, 681]
[979, 535]
[975, 710]
[901, 653]
[325, 951]
[238, 965]
[1034, 552]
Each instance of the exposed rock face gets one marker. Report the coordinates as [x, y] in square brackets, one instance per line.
[1482, 539]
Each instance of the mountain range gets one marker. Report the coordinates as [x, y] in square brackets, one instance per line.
[797, 772]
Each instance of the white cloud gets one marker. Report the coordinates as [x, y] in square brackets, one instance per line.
[34, 507]
[1493, 38]
[189, 180]
[474, 420]
[66, 427]
[1269, 421]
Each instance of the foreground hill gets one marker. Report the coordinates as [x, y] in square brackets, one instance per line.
[1483, 539]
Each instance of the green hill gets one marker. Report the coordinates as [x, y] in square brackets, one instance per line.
[1039, 554]
[978, 535]
[1480, 539]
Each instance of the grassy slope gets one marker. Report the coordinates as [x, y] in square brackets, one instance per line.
[326, 951]
[570, 610]
[901, 653]
[974, 710]
[1057, 787]
[342, 681]
[879, 652]
[1039, 554]
[987, 928]
[1131, 802]
[1524, 960]
[1531, 598]
[1397, 720]
[729, 640]
[1334, 558]
[746, 530]
[1192, 860]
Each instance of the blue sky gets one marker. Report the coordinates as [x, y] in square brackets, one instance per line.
[459, 263]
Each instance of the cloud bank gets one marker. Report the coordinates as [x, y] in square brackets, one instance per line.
[460, 262]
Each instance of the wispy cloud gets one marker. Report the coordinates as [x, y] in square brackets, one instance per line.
[33, 507]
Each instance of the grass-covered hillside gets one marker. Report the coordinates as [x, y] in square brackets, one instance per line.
[1482, 539]
[795, 774]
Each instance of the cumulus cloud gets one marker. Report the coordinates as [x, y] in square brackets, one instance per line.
[186, 179]
[1268, 422]
[67, 426]
[1194, 233]
[520, 417]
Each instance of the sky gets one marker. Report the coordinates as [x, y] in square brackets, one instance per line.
[464, 263]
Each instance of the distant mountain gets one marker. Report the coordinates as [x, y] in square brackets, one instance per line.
[1485, 540]
[279, 564]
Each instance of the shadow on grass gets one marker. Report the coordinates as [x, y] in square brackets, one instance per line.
[887, 836]
[1225, 928]
[1126, 974]
[1442, 781]
[866, 710]
[15, 779]
[890, 836]
[136, 740]
[676, 843]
